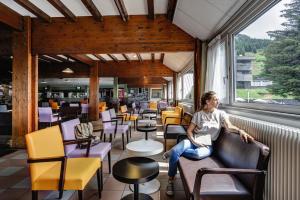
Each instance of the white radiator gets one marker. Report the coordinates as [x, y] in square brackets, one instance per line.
[283, 177]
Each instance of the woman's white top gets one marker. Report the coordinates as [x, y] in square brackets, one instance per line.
[208, 123]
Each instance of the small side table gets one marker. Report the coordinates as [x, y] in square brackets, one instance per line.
[146, 129]
[136, 170]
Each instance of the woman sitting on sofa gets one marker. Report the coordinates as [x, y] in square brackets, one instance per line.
[204, 128]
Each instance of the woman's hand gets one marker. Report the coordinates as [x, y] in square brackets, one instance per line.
[245, 136]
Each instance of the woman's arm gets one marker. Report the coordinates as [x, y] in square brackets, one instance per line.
[190, 130]
[244, 136]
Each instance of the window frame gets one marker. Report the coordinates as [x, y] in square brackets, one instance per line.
[230, 49]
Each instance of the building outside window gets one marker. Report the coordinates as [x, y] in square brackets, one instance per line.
[267, 58]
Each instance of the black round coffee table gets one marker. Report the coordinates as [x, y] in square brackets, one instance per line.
[136, 170]
[146, 129]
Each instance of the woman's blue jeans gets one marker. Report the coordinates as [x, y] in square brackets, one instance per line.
[189, 150]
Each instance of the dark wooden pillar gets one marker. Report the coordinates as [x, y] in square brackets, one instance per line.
[197, 73]
[94, 92]
[24, 86]
[168, 92]
[174, 88]
[34, 92]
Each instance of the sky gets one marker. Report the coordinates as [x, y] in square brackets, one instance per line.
[269, 21]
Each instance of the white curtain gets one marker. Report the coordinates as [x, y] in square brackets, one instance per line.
[216, 78]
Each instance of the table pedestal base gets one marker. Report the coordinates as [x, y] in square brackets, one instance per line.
[141, 197]
[148, 187]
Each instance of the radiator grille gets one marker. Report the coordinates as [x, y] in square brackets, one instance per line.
[283, 178]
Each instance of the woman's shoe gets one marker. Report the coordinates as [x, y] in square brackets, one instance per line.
[170, 188]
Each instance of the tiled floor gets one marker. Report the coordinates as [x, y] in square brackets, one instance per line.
[15, 182]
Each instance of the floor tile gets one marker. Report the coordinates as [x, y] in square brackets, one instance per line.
[8, 171]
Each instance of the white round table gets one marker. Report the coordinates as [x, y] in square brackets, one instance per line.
[146, 148]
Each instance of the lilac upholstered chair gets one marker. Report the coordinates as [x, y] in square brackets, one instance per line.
[110, 127]
[99, 150]
[46, 115]
[120, 118]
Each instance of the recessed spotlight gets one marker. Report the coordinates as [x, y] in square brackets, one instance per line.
[68, 71]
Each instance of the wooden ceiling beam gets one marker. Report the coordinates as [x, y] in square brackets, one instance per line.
[134, 69]
[139, 57]
[151, 13]
[126, 57]
[35, 10]
[82, 58]
[100, 58]
[110, 36]
[142, 80]
[60, 58]
[10, 18]
[47, 58]
[162, 56]
[113, 57]
[93, 9]
[63, 9]
[122, 10]
[171, 9]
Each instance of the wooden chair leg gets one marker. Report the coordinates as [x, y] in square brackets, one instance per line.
[80, 195]
[109, 163]
[110, 138]
[34, 195]
[123, 141]
[130, 131]
[61, 192]
[99, 182]
[104, 139]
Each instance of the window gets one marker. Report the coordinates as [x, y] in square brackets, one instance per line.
[267, 59]
[179, 87]
[156, 93]
[188, 85]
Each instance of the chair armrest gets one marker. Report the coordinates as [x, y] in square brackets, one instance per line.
[63, 161]
[114, 120]
[79, 141]
[202, 171]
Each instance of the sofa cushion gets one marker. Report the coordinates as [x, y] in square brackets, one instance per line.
[213, 185]
[99, 150]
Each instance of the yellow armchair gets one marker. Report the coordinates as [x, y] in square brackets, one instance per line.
[102, 106]
[177, 112]
[153, 105]
[51, 170]
[129, 116]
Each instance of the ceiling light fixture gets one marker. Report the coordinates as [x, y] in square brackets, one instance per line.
[68, 71]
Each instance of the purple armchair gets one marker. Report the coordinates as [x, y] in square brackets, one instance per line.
[111, 127]
[120, 118]
[99, 150]
[46, 115]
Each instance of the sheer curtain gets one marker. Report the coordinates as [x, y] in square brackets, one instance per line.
[216, 76]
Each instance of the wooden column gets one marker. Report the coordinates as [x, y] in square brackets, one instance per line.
[34, 92]
[197, 73]
[24, 86]
[168, 92]
[116, 88]
[94, 92]
[174, 88]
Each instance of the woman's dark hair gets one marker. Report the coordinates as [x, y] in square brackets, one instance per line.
[206, 96]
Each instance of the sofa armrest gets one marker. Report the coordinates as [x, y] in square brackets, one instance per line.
[173, 118]
[202, 171]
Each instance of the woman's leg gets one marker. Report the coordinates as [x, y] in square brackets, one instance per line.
[176, 152]
[198, 152]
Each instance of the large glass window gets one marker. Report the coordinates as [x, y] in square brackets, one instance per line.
[267, 57]
[188, 85]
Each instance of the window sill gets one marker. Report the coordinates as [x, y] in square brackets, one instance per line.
[269, 116]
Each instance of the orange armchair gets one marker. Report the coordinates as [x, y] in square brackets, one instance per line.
[51, 170]
[102, 106]
[174, 115]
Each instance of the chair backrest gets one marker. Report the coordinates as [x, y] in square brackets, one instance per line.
[68, 132]
[84, 108]
[45, 114]
[153, 105]
[162, 104]
[106, 117]
[123, 109]
[44, 143]
[54, 105]
[234, 153]
[3, 108]
[178, 110]
[112, 113]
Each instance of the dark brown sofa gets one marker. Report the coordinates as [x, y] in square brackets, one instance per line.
[235, 171]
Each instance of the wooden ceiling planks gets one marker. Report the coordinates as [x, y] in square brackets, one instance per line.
[34, 9]
[126, 57]
[171, 9]
[93, 9]
[100, 58]
[10, 18]
[151, 12]
[63, 9]
[122, 10]
[88, 36]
